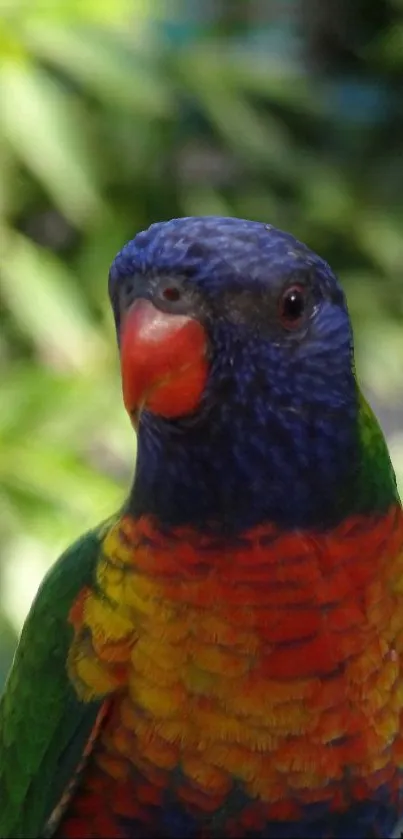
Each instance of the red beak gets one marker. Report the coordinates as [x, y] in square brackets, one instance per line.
[163, 361]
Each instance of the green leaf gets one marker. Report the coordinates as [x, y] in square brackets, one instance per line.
[46, 129]
[50, 472]
[104, 66]
[262, 140]
[258, 73]
[41, 294]
[66, 11]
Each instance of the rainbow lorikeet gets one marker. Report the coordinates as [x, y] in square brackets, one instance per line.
[224, 657]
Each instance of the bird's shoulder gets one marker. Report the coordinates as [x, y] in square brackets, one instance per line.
[44, 727]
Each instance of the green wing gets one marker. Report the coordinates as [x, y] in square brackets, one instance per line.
[44, 728]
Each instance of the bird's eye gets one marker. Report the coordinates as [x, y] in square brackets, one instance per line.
[292, 306]
[171, 293]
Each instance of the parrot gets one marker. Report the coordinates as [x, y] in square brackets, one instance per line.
[223, 656]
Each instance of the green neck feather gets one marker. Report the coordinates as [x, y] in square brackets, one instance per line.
[377, 487]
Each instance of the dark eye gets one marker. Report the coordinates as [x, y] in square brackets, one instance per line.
[292, 306]
[171, 293]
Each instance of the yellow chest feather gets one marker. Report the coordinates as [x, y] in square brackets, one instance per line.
[226, 685]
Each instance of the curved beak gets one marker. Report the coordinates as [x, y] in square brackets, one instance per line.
[163, 361]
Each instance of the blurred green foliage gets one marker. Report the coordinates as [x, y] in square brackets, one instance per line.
[107, 123]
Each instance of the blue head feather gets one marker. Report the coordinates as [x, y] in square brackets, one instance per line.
[275, 436]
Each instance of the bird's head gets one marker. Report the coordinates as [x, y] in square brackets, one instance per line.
[207, 307]
[236, 357]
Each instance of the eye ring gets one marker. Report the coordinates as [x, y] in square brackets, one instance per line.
[292, 306]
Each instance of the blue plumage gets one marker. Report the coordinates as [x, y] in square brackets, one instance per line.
[298, 387]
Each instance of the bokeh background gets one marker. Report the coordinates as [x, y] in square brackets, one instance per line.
[117, 113]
